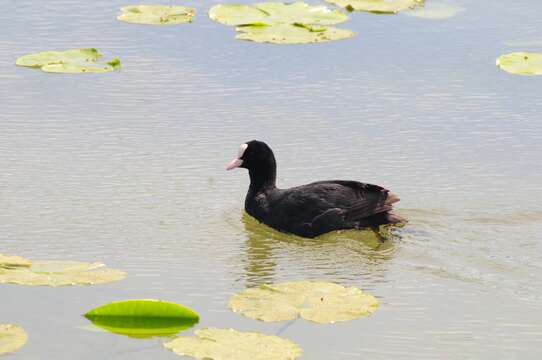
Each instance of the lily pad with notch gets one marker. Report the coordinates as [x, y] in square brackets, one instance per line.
[143, 318]
[318, 301]
[85, 60]
[292, 33]
[230, 344]
[282, 23]
[157, 14]
[59, 273]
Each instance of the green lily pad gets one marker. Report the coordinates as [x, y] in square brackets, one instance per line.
[270, 13]
[292, 34]
[69, 61]
[282, 23]
[318, 301]
[157, 14]
[521, 63]
[378, 6]
[230, 344]
[12, 338]
[11, 261]
[60, 273]
[436, 11]
[143, 318]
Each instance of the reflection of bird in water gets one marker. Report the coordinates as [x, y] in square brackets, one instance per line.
[347, 255]
[313, 209]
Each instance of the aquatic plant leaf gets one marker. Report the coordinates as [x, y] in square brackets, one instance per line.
[270, 13]
[143, 318]
[236, 14]
[292, 34]
[12, 338]
[230, 344]
[11, 261]
[436, 11]
[142, 327]
[157, 14]
[60, 273]
[69, 61]
[318, 301]
[52, 267]
[378, 6]
[74, 68]
[51, 57]
[521, 63]
[149, 308]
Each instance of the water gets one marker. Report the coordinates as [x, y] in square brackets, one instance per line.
[128, 169]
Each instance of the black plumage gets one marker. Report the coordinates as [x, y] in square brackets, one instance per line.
[313, 209]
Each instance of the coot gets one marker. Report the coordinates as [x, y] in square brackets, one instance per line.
[313, 209]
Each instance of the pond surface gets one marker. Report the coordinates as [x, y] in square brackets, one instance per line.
[128, 169]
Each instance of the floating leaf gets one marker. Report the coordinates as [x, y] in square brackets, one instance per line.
[69, 61]
[11, 261]
[319, 301]
[270, 13]
[143, 318]
[282, 23]
[12, 338]
[436, 11]
[60, 273]
[230, 344]
[378, 6]
[142, 327]
[157, 14]
[292, 34]
[521, 63]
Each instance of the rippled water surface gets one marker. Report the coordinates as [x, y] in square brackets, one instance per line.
[128, 168]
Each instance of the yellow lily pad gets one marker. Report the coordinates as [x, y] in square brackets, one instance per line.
[12, 338]
[521, 63]
[378, 6]
[60, 273]
[292, 34]
[69, 61]
[157, 14]
[318, 301]
[230, 344]
[11, 261]
[270, 13]
[282, 23]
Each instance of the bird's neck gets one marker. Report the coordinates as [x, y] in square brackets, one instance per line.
[263, 177]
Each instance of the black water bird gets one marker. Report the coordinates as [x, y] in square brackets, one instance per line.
[313, 209]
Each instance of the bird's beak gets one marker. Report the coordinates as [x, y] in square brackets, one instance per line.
[234, 164]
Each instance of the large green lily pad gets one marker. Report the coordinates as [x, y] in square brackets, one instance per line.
[521, 63]
[60, 273]
[282, 23]
[157, 14]
[12, 338]
[318, 301]
[230, 344]
[11, 261]
[143, 318]
[69, 61]
[378, 6]
[292, 33]
[270, 13]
